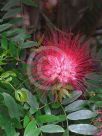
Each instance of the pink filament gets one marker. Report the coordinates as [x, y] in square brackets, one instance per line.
[70, 67]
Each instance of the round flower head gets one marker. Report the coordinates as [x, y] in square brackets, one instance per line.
[61, 60]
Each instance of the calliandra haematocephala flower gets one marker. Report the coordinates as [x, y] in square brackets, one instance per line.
[62, 60]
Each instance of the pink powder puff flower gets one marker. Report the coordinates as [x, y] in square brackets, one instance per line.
[64, 60]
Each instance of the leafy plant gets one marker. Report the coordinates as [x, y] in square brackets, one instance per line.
[24, 110]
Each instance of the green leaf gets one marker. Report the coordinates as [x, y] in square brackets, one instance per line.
[14, 51]
[5, 27]
[3, 90]
[74, 96]
[10, 4]
[3, 57]
[32, 101]
[18, 21]
[1, 20]
[52, 129]
[50, 118]
[29, 44]
[20, 38]
[29, 3]
[66, 133]
[47, 118]
[82, 114]
[56, 105]
[17, 124]
[12, 13]
[47, 110]
[84, 129]
[4, 42]
[61, 118]
[26, 121]
[98, 103]
[8, 74]
[14, 32]
[1, 97]
[11, 105]
[35, 132]
[32, 129]
[77, 105]
[6, 124]
[21, 95]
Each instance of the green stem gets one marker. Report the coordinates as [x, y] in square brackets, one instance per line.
[66, 117]
[11, 86]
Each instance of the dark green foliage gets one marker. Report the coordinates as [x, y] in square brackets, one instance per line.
[24, 111]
